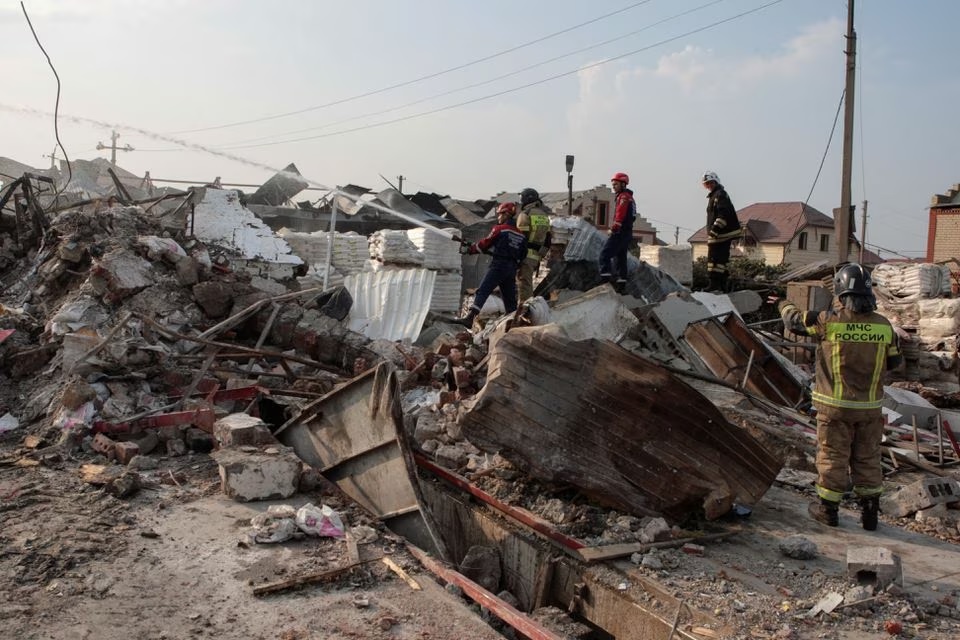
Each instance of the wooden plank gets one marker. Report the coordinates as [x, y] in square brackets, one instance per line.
[611, 551]
[397, 569]
[311, 578]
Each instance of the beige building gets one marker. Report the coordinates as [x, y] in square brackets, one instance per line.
[943, 231]
[791, 233]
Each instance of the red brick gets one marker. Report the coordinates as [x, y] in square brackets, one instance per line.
[104, 446]
[125, 451]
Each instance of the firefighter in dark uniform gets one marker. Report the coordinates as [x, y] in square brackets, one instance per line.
[723, 227]
[534, 223]
[855, 347]
[509, 248]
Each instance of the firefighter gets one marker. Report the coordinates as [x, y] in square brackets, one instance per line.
[534, 223]
[621, 231]
[509, 248]
[723, 227]
[855, 346]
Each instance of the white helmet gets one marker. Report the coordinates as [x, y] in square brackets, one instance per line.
[710, 176]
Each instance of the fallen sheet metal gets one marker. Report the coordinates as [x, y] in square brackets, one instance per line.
[732, 352]
[614, 425]
[354, 437]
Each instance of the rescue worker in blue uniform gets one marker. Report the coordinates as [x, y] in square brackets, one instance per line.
[508, 246]
[855, 347]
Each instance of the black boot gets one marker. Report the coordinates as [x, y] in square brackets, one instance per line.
[468, 319]
[825, 512]
[870, 508]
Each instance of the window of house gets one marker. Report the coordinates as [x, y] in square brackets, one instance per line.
[824, 242]
[802, 241]
[601, 214]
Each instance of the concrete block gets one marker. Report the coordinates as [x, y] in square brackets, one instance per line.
[239, 429]
[125, 451]
[922, 494]
[911, 405]
[247, 476]
[874, 565]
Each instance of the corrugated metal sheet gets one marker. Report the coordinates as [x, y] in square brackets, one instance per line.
[390, 303]
[614, 425]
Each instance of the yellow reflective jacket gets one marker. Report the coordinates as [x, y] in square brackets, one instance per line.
[534, 223]
[854, 351]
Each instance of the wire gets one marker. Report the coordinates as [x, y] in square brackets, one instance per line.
[512, 90]
[421, 78]
[56, 106]
[476, 84]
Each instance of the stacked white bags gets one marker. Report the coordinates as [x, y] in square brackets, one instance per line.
[394, 247]
[349, 250]
[906, 280]
[442, 255]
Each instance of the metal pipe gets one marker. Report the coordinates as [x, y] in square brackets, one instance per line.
[333, 228]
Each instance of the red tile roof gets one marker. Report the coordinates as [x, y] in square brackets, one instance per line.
[775, 222]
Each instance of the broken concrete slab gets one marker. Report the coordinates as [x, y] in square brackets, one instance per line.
[616, 426]
[269, 474]
[598, 313]
[240, 429]
[922, 494]
[120, 274]
[911, 406]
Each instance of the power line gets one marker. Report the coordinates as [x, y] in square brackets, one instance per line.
[421, 78]
[477, 84]
[514, 89]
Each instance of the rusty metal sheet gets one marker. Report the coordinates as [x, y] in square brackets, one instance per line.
[725, 345]
[617, 426]
[355, 439]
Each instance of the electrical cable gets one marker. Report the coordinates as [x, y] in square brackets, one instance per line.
[823, 159]
[56, 106]
[474, 85]
[421, 78]
[514, 89]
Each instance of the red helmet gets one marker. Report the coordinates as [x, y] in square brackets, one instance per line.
[620, 176]
[509, 208]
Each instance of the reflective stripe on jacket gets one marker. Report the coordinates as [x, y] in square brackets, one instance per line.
[722, 221]
[504, 242]
[854, 351]
[534, 223]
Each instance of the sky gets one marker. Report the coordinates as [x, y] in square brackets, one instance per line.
[474, 98]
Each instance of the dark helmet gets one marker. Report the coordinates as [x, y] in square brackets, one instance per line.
[852, 279]
[528, 195]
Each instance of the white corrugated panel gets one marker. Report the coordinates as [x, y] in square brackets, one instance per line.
[390, 304]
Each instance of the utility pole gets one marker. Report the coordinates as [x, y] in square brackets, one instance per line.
[114, 136]
[676, 235]
[400, 182]
[53, 157]
[569, 165]
[843, 217]
[863, 230]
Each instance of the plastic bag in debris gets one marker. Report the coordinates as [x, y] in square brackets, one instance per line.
[76, 420]
[8, 422]
[158, 247]
[320, 521]
[276, 525]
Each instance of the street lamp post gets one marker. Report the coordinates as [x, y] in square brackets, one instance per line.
[570, 185]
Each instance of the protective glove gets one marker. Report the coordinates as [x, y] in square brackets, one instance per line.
[615, 228]
[464, 249]
[712, 234]
[473, 250]
[773, 299]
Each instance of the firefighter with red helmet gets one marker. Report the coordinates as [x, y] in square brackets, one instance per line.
[621, 231]
[855, 347]
[508, 247]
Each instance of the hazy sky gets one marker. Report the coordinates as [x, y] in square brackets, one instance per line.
[752, 99]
